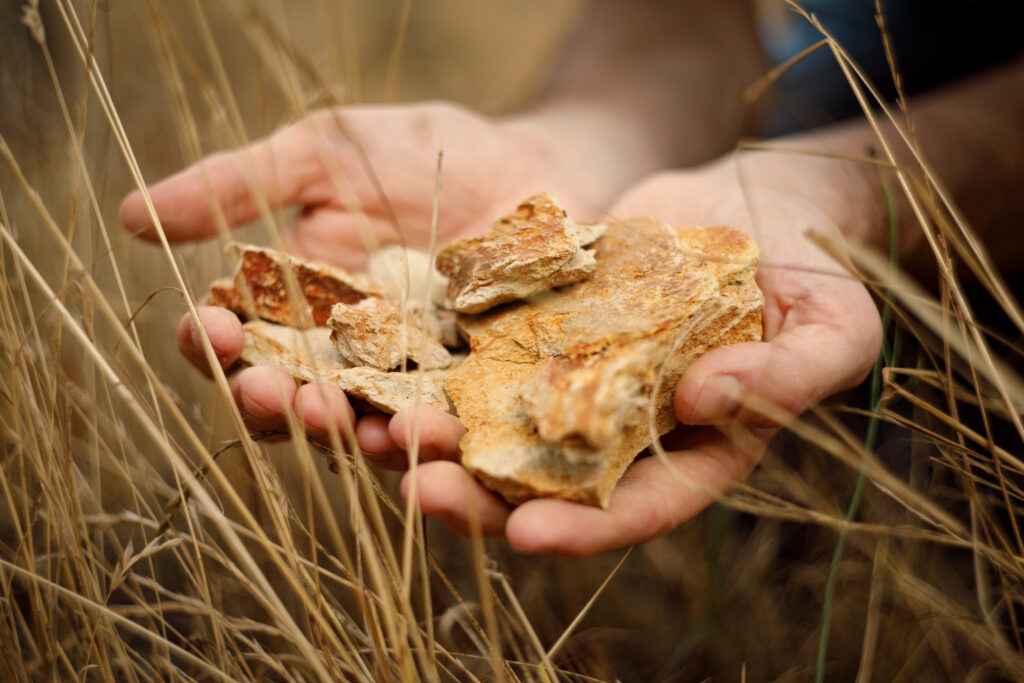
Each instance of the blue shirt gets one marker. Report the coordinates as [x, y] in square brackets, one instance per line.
[935, 42]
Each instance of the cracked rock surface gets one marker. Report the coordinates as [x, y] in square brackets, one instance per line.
[307, 355]
[370, 333]
[363, 341]
[262, 276]
[536, 248]
[391, 392]
[557, 392]
[565, 384]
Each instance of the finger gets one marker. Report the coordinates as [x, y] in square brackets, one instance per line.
[323, 407]
[224, 330]
[436, 433]
[263, 394]
[652, 498]
[376, 443]
[793, 371]
[446, 491]
[280, 170]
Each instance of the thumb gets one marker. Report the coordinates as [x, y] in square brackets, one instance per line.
[798, 368]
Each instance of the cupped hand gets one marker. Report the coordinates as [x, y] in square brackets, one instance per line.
[369, 172]
[822, 335]
[363, 175]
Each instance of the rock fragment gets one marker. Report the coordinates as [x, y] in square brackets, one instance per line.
[224, 294]
[370, 333]
[560, 392]
[262, 276]
[307, 355]
[557, 392]
[536, 248]
[394, 268]
[310, 356]
[391, 392]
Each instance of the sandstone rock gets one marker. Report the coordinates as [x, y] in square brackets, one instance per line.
[261, 275]
[307, 355]
[560, 392]
[557, 392]
[369, 333]
[391, 392]
[310, 356]
[389, 266]
[223, 293]
[387, 269]
[527, 252]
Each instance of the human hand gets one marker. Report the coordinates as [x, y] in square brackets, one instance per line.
[822, 334]
[320, 166]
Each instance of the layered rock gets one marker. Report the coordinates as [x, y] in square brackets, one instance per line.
[397, 270]
[223, 293]
[261, 287]
[534, 249]
[565, 385]
[391, 392]
[310, 356]
[409, 275]
[374, 333]
[558, 394]
[307, 355]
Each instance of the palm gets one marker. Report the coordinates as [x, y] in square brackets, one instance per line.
[367, 175]
[822, 334]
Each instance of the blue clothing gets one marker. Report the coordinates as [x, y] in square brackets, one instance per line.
[935, 42]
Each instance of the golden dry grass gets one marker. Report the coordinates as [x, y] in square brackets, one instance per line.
[278, 568]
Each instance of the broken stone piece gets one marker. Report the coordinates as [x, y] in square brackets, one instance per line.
[310, 356]
[391, 392]
[387, 269]
[557, 393]
[369, 333]
[536, 248]
[397, 269]
[223, 293]
[262, 272]
[307, 355]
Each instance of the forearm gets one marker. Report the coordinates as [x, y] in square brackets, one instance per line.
[656, 83]
[970, 134]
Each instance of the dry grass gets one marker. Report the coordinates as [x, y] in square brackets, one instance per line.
[278, 568]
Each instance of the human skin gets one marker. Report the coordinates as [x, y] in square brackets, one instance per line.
[822, 330]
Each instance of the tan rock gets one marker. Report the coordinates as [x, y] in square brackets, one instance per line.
[387, 269]
[370, 333]
[307, 355]
[534, 249]
[397, 270]
[223, 293]
[557, 392]
[310, 356]
[391, 392]
[262, 271]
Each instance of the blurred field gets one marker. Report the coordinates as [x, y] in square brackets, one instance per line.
[736, 595]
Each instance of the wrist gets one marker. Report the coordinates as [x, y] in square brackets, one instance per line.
[609, 150]
[832, 170]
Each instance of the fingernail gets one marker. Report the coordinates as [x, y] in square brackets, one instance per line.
[718, 399]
